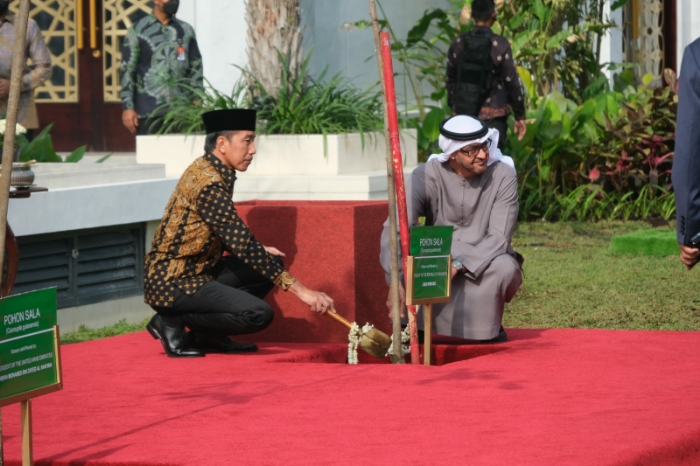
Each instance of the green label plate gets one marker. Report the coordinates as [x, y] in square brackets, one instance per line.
[28, 359]
[431, 276]
[431, 241]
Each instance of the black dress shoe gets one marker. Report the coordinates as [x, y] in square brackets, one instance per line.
[214, 344]
[174, 339]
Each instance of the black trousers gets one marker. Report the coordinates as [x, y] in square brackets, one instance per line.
[501, 124]
[232, 304]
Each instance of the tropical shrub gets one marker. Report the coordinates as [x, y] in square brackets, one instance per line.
[553, 40]
[591, 151]
[301, 105]
[40, 148]
[558, 43]
[590, 202]
[618, 142]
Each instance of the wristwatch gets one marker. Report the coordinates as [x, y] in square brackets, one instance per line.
[457, 265]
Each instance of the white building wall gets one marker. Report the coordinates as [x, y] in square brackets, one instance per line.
[351, 51]
[611, 50]
[687, 24]
[221, 33]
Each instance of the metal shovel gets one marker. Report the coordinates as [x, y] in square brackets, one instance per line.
[375, 342]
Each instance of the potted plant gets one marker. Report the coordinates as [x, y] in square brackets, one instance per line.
[307, 127]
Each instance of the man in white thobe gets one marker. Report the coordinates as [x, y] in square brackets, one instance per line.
[472, 187]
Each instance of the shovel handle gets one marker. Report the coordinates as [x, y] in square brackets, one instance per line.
[339, 318]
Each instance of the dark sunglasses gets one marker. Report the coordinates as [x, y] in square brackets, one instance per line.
[475, 149]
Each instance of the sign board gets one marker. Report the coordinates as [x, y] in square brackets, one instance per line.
[431, 241]
[29, 349]
[429, 266]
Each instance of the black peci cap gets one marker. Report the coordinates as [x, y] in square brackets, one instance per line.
[229, 120]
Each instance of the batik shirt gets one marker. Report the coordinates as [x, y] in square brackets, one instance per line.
[505, 90]
[159, 62]
[199, 223]
[32, 76]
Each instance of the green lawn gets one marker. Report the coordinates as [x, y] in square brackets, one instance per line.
[571, 280]
[86, 334]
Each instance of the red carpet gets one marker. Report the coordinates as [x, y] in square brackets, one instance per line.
[548, 397]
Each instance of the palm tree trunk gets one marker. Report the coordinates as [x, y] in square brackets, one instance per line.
[273, 28]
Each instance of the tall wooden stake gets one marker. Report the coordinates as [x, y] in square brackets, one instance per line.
[18, 61]
[397, 356]
[427, 332]
[27, 447]
[402, 208]
[395, 185]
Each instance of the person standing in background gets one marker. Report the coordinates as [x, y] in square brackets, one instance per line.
[686, 159]
[160, 60]
[32, 76]
[481, 78]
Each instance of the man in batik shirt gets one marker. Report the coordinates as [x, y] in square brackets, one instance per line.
[160, 62]
[32, 76]
[187, 280]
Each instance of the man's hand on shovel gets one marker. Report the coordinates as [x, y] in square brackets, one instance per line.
[318, 301]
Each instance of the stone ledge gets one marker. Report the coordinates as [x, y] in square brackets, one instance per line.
[87, 207]
[304, 155]
[59, 176]
[359, 187]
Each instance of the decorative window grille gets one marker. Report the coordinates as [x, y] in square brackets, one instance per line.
[644, 42]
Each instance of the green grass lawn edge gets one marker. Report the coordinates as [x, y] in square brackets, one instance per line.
[646, 243]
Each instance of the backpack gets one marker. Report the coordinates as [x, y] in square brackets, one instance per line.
[474, 74]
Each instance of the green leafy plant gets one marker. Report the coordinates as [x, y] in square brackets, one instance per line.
[620, 140]
[421, 56]
[317, 106]
[590, 152]
[184, 114]
[41, 149]
[557, 42]
[554, 40]
[639, 138]
[302, 105]
[590, 202]
[20, 138]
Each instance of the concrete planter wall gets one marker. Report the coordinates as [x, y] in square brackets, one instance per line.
[303, 155]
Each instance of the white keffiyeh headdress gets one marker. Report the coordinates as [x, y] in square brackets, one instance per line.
[461, 131]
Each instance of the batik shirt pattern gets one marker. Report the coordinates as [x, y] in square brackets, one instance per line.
[199, 223]
[32, 76]
[505, 91]
[155, 68]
